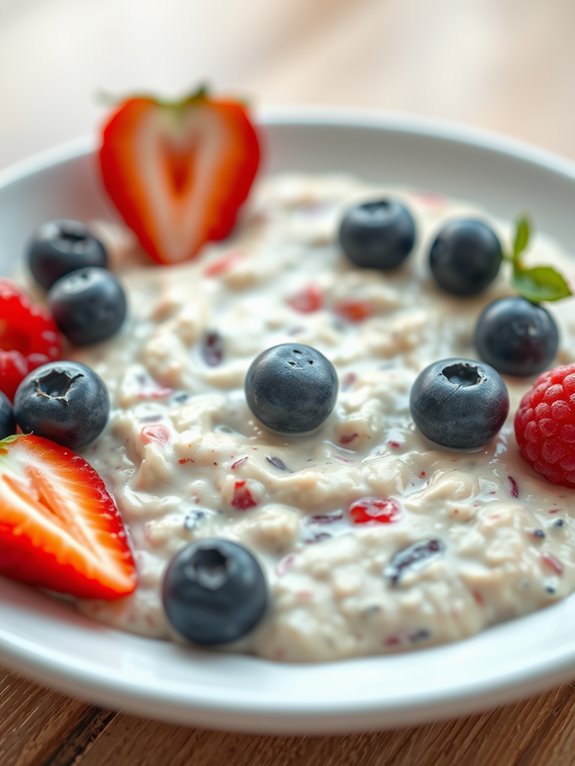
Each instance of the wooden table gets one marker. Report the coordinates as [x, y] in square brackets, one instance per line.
[41, 728]
[504, 65]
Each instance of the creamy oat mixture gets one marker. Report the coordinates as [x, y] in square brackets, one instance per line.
[185, 458]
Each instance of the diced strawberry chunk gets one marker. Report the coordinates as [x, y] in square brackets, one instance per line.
[354, 310]
[221, 265]
[383, 511]
[307, 300]
[155, 432]
[243, 498]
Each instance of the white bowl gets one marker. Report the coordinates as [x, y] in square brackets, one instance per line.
[48, 642]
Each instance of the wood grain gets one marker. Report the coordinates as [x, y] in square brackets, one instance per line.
[42, 728]
[504, 65]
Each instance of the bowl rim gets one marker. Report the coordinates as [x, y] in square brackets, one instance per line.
[391, 122]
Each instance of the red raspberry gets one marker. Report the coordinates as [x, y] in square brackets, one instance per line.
[545, 425]
[28, 337]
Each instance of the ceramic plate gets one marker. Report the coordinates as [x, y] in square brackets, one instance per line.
[48, 642]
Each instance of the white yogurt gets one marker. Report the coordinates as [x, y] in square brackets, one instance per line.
[185, 458]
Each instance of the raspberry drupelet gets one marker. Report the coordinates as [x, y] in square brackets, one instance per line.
[545, 425]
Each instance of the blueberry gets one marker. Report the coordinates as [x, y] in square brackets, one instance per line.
[214, 592]
[291, 388]
[465, 257]
[59, 247]
[377, 235]
[516, 337]
[63, 401]
[88, 305]
[7, 422]
[459, 403]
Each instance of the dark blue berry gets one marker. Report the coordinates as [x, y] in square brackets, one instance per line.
[7, 422]
[88, 305]
[214, 592]
[459, 403]
[465, 257]
[59, 247]
[291, 388]
[516, 337]
[377, 235]
[63, 401]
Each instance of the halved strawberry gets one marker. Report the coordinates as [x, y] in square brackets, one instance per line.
[178, 172]
[59, 527]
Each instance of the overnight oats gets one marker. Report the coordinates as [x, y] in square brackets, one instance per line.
[331, 515]
[344, 512]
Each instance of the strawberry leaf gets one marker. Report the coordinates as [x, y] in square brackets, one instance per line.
[5, 443]
[541, 283]
[199, 94]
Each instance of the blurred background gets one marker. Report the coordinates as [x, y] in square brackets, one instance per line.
[503, 65]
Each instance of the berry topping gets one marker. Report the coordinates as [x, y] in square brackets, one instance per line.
[374, 509]
[59, 527]
[516, 337]
[222, 264]
[179, 172]
[307, 300]
[63, 401]
[413, 557]
[243, 498]
[459, 403]
[354, 310]
[28, 337]
[212, 349]
[465, 257]
[379, 234]
[278, 463]
[545, 425]
[291, 388]
[156, 433]
[7, 422]
[214, 592]
[59, 247]
[89, 305]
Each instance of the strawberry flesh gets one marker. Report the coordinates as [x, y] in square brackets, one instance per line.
[178, 173]
[59, 527]
[381, 510]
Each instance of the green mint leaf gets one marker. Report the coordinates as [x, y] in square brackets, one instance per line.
[541, 283]
[521, 240]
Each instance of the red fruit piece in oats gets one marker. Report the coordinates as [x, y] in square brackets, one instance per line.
[354, 310]
[383, 511]
[243, 498]
[156, 432]
[222, 264]
[307, 300]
